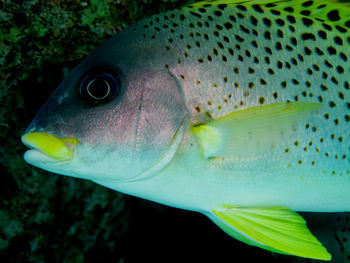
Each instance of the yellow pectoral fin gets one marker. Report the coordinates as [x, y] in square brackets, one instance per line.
[253, 130]
[276, 229]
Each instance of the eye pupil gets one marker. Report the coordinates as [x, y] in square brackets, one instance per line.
[98, 89]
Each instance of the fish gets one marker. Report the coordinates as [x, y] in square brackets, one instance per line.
[235, 109]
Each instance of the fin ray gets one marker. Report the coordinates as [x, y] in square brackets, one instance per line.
[251, 131]
[277, 229]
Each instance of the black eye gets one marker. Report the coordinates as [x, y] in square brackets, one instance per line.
[99, 87]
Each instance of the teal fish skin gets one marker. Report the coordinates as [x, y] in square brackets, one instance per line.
[230, 58]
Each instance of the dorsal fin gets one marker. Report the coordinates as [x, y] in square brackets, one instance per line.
[334, 12]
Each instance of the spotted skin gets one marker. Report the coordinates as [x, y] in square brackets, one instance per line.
[230, 57]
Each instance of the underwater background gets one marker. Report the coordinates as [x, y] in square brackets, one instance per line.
[50, 218]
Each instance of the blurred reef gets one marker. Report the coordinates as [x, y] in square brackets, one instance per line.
[50, 218]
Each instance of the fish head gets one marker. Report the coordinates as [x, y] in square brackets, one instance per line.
[117, 116]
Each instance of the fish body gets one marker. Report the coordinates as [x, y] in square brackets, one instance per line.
[235, 109]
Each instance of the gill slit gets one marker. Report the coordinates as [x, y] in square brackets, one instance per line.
[137, 130]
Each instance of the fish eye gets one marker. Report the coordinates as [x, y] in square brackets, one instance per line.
[99, 87]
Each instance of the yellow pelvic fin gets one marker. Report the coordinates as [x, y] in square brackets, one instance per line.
[334, 12]
[61, 149]
[250, 131]
[276, 229]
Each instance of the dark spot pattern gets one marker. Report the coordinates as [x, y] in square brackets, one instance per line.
[239, 56]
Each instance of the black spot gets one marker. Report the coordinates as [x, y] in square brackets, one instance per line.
[258, 8]
[331, 50]
[275, 12]
[253, 20]
[267, 35]
[322, 34]
[294, 41]
[240, 15]
[261, 100]
[267, 21]
[332, 104]
[307, 21]
[305, 12]
[307, 3]
[244, 29]
[300, 57]
[219, 27]
[340, 69]
[268, 50]
[343, 56]
[196, 14]
[334, 80]
[218, 13]
[291, 19]
[333, 15]
[279, 64]
[323, 87]
[241, 7]
[319, 51]
[280, 22]
[240, 39]
[254, 43]
[220, 45]
[279, 33]
[341, 29]
[182, 17]
[329, 65]
[289, 9]
[308, 36]
[230, 50]
[222, 6]
[228, 25]
[232, 18]
[307, 51]
[327, 27]
[338, 41]
[295, 81]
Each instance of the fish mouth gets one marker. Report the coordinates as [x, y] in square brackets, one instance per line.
[48, 148]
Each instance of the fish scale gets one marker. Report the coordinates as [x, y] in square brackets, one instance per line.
[232, 57]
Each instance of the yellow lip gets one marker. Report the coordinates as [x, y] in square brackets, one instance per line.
[61, 149]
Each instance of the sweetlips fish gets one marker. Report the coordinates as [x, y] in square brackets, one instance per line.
[236, 109]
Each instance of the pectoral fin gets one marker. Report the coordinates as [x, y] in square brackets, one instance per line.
[276, 229]
[247, 132]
